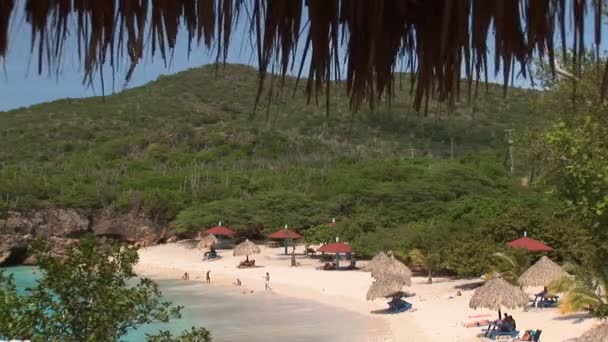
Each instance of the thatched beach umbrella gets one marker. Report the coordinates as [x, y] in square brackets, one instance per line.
[543, 272]
[392, 268]
[496, 294]
[455, 34]
[596, 334]
[246, 248]
[376, 261]
[382, 288]
[207, 241]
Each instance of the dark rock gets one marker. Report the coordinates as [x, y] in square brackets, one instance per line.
[129, 228]
[13, 249]
[45, 223]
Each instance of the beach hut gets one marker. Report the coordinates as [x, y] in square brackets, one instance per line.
[530, 244]
[336, 248]
[208, 241]
[286, 235]
[246, 248]
[497, 294]
[542, 273]
[595, 334]
[391, 268]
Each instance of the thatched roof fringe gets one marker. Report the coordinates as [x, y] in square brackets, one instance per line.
[496, 294]
[246, 248]
[542, 273]
[436, 38]
[598, 333]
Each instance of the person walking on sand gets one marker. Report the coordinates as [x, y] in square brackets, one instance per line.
[267, 284]
[208, 277]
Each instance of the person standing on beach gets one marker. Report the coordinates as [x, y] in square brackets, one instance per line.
[208, 277]
[267, 285]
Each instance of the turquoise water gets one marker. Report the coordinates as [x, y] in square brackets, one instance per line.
[232, 316]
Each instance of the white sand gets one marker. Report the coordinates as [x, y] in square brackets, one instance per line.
[434, 317]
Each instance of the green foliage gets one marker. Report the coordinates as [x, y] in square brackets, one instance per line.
[584, 287]
[511, 265]
[469, 258]
[429, 261]
[192, 335]
[580, 167]
[88, 296]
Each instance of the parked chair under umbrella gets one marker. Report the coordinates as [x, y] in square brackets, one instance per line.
[246, 248]
[286, 235]
[336, 248]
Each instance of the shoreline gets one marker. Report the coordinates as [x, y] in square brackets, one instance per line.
[438, 314]
[327, 293]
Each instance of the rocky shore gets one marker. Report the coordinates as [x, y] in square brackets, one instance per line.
[62, 227]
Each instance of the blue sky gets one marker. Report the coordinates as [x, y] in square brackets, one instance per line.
[21, 85]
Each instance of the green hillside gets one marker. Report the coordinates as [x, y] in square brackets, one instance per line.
[190, 150]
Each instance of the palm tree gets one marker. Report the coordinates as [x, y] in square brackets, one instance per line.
[429, 261]
[511, 265]
[586, 290]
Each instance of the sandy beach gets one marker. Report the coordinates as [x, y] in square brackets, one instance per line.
[438, 313]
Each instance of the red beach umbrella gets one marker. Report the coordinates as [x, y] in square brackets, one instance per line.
[220, 230]
[336, 247]
[529, 244]
[332, 223]
[286, 235]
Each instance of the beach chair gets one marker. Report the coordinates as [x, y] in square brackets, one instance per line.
[476, 324]
[247, 264]
[398, 305]
[532, 336]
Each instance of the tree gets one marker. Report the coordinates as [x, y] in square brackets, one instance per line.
[586, 289]
[91, 295]
[512, 265]
[429, 261]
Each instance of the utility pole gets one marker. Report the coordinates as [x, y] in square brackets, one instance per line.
[509, 162]
[452, 148]
[412, 150]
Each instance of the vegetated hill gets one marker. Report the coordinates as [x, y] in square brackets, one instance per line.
[190, 149]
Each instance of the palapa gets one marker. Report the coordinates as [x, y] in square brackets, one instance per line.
[542, 273]
[376, 261]
[208, 241]
[496, 294]
[595, 334]
[392, 268]
[382, 288]
[453, 43]
[246, 248]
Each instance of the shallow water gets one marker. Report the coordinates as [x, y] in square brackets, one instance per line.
[232, 316]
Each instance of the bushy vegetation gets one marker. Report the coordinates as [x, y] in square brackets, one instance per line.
[90, 295]
[189, 150]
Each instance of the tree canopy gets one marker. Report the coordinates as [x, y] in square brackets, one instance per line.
[91, 295]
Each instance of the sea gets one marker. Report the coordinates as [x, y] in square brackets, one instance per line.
[236, 317]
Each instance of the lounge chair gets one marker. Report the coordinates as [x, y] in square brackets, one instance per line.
[480, 323]
[247, 264]
[500, 328]
[210, 255]
[532, 336]
[398, 305]
[327, 267]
